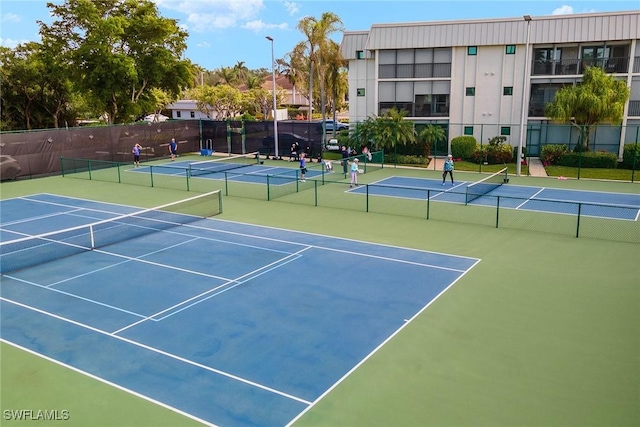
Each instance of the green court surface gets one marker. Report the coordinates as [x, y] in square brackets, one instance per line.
[544, 331]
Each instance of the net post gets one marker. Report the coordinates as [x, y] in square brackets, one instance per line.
[219, 202]
[151, 174]
[119, 177]
[89, 168]
[93, 240]
[315, 189]
[428, 202]
[367, 198]
[268, 189]
[578, 220]
[497, 210]
[62, 166]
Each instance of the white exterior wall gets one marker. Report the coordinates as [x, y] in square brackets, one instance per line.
[491, 69]
[361, 107]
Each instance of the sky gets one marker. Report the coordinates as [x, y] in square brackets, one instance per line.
[225, 32]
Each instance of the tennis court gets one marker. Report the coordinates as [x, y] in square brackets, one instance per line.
[620, 206]
[250, 170]
[228, 323]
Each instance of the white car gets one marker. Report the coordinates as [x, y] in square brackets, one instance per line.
[156, 118]
[332, 145]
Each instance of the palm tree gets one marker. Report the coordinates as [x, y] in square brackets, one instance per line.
[241, 71]
[336, 77]
[286, 66]
[431, 134]
[227, 75]
[317, 33]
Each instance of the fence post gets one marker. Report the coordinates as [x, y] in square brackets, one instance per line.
[635, 156]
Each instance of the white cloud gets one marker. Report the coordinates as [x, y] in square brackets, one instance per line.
[292, 8]
[10, 17]
[259, 26]
[11, 43]
[563, 10]
[205, 15]
[203, 44]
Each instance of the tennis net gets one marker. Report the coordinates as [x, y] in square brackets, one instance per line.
[35, 250]
[223, 164]
[486, 185]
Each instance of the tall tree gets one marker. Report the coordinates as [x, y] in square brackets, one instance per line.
[598, 99]
[317, 32]
[119, 50]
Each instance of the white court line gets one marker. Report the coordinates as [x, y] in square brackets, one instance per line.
[161, 352]
[375, 350]
[75, 296]
[339, 250]
[197, 299]
[102, 380]
[530, 198]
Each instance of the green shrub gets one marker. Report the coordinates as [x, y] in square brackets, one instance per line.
[463, 147]
[551, 153]
[514, 159]
[493, 153]
[406, 159]
[588, 159]
[631, 152]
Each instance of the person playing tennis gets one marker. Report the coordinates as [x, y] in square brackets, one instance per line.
[354, 173]
[448, 169]
[136, 155]
[303, 166]
[173, 149]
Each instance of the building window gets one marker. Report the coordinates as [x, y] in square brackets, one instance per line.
[359, 54]
[472, 50]
[505, 130]
[360, 91]
[468, 130]
[510, 49]
[471, 91]
[507, 90]
[178, 114]
[193, 114]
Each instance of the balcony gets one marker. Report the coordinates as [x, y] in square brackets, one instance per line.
[566, 67]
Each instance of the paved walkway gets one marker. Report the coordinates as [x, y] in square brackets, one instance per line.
[535, 166]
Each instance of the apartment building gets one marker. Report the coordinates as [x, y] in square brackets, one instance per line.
[493, 77]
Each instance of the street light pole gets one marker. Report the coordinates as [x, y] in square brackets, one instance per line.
[525, 89]
[275, 118]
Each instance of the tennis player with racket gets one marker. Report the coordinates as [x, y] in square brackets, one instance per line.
[448, 169]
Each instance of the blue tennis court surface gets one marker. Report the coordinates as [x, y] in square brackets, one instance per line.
[621, 206]
[232, 324]
[248, 173]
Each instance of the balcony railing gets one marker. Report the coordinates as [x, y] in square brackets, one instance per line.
[413, 110]
[634, 109]
[577, 66]
[414, 71]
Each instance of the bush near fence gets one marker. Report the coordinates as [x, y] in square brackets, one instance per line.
[588, 159]
[463, 147]
[631, 156]
[550, 154]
